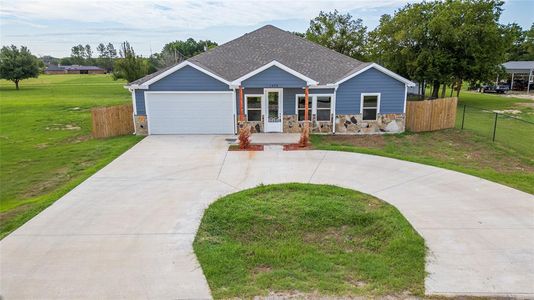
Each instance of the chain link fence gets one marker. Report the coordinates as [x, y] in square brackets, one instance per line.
[512, 132]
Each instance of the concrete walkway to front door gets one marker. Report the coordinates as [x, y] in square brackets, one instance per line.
[127, 232]
[275, 138]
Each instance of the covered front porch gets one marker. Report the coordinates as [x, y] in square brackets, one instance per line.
[275, 98]
[274, 110]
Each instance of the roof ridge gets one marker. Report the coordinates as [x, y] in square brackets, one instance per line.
[233, 40]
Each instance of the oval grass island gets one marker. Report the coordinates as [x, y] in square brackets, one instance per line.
[307, 239]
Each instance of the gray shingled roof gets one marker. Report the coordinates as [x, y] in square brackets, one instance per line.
[260, 47]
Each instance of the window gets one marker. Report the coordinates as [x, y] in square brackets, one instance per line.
[319, 105]
[253, 108]
[301, 107]
[323, 106]
[369, 106]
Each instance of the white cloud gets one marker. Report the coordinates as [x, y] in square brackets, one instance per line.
[182, 14]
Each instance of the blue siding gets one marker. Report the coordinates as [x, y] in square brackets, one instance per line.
[140, 102]
[184, 79]
[370, 81]
[273, 77]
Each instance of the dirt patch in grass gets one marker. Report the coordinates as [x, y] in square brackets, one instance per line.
[57, 178]
[5, 216]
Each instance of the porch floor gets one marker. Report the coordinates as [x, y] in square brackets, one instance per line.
[275, 138]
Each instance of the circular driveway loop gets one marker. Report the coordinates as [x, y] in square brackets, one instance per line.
[127, 231]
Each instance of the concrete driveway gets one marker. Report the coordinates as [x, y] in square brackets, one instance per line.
[126, 232]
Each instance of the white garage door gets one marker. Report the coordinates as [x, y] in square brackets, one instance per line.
[190, 113]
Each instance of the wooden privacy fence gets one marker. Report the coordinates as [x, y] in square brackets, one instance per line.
[112, 121]
[430, 115]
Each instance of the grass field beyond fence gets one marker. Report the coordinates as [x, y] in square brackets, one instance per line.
[506, 130]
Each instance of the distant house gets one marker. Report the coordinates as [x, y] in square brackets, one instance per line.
[521, 75]
[74, 69]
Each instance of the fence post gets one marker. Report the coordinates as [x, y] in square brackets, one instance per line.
[463, 116]
[495, 126]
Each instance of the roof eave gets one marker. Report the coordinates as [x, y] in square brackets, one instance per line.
[379, 68]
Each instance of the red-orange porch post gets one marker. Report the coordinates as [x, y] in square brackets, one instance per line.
[306, 106]
[241, 112]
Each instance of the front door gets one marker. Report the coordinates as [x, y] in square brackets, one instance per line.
[273, 107]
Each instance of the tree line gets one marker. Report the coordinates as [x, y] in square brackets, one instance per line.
[437, 43]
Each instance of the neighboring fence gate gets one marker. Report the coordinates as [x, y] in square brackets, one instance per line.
[112, 121]
[430, 115]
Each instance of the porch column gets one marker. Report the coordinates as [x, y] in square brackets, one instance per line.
[241, 112]
[528, 81]
[512, 82]
[306, 106]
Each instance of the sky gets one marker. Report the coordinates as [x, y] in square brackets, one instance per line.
[52, 27]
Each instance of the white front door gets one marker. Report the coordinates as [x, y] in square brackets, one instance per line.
[273, 110]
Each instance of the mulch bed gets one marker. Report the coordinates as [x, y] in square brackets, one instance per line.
[250, 148]
[293, 147]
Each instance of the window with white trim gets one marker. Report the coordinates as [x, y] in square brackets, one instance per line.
[370, 105]
[301, 107]
[253, 103]
[318, 105]
[323, 107]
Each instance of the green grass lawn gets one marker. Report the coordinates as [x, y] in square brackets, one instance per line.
[453, 149]
[308, 239]
[45, 143]
[516, 132]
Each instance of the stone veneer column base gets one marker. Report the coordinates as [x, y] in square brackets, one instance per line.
[141, 125]
[291, 125]
[385, 123]
[255, 126]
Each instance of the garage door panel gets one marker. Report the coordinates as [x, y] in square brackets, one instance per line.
[190, 113]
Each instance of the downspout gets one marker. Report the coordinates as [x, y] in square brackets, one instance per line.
[134, 110]
[234, 109]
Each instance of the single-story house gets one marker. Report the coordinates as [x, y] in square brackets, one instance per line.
[74, 69]
[521, 75]
[270, 71]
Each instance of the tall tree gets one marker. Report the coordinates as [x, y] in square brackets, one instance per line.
[129, 66]
[111, 51]
[88, 52]
[177, 51]
[104, 57]
[77, 54]
[339, 32]
[523, 43]
[102, 51]
[443, 41]
[17, 65]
